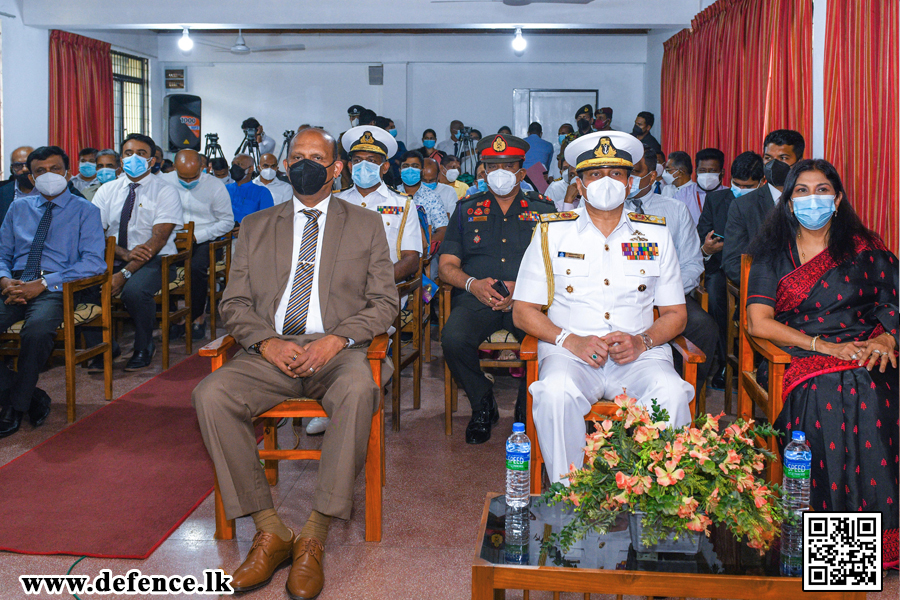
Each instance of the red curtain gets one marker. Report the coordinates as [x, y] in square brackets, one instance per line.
[743, 69]
[81, 93]
[861, 107]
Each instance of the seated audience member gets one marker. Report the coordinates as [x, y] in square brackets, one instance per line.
[781, 149]
[677, 175]
[246, 196]
[367, 117]
[428, 150]
[142, 213]
[204, 163]
[505, 130]
[746, 175]
[18, 160]
[167, 166]
[156, 168]
[710, 166]
[556, 191]
[603, 120]
[454, 144]
[450, 169]
[583, 120]
[824, 288]
[484, 245]
[205, 201]
[109, 165]
[480, 183]
[565, 130]
[411, 174]
[539, 151]
[19, 183]
[46, 239]
[268, 178]
[295, 345]
[475, 135]
[219, 168]
[393, 176]
[430, 175]
[660, 169]
[598, 336]
[643, 123]
[700, 327]
[85, 181]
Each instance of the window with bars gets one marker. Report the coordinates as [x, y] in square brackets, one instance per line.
[131, 95]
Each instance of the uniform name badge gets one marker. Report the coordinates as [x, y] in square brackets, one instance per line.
[640, 250]
[570, 255]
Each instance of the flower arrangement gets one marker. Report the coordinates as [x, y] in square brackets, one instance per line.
[681, 479]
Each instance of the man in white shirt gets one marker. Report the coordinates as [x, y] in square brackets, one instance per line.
[556, 191]
[142, 213]
[430, 172]
[205, 201]
[454, 145]
[610, 269]
[268, 178]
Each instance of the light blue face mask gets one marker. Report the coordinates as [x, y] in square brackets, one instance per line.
[411, 175]
[134, 165]
[366, 175]
[813, 211]
[430, 186]
[482, 185]
[188, 185]
[738, 192]
[88, 169]
[562, 138]
[636, 187]
[428, 143]
[106, 174]
[393, 132]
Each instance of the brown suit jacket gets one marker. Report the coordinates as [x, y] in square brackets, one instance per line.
[357, 294]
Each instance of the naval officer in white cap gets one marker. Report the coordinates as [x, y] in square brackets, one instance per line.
[609, 269]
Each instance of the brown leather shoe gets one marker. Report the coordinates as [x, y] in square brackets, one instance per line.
[307, 578]
[267, 553]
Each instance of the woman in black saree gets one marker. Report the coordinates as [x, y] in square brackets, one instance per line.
[824, 288]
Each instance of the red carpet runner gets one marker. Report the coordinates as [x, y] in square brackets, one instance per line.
[116, 483]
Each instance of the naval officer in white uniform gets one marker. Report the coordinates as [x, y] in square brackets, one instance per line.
[610, 268]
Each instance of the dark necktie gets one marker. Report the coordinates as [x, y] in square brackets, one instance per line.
[456, 149]
[298, 302]
[126, 215]
[638, 205]
[33, 265]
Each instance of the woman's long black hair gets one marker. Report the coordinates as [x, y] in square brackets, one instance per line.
[780, 228]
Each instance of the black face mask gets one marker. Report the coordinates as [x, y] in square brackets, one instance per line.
[155, 169]
[637, 131]
[237, 173]
[307, 176]
[776, 172]
[23, 181]
[584, 125]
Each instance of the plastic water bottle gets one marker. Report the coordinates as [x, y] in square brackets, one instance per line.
[518, 463]
[797, 464]
[518, 532]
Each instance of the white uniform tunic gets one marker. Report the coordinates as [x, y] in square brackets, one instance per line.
[602, 284]
[391, 206]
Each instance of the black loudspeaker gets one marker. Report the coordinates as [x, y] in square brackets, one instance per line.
[183, 122]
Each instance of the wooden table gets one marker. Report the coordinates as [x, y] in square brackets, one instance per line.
[491, 576]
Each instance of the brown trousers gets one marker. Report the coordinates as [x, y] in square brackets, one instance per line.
[247, 386]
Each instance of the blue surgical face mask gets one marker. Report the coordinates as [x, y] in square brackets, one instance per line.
[428, 143]
[393, 132]
[813, 211]
[636, 188]
[562, 138]
[411, 175]
[106, 174]
[482, 185]
[459, 135]
[738, 192]
[134, 165]
[88, 169]
[366, 175]
[188, 185]
[430, 186]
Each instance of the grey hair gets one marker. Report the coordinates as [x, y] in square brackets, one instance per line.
[110, 152]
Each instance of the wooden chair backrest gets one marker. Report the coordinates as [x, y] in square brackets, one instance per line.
[184, 237]
[746, 263]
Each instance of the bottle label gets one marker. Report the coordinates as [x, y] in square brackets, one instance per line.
[517, 461]
[796, 465]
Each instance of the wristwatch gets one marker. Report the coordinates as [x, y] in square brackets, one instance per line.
[44, 282]
[348, 343]
[126, 273]
[648, 341]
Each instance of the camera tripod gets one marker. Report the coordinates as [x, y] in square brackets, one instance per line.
[249, 146]
[288, 136]
[467, 157]
[212, 149]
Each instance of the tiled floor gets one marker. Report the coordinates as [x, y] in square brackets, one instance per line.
[432, 504]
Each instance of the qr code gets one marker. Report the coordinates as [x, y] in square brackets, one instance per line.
[842, 551]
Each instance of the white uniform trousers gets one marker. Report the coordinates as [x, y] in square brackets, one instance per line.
[567, 387]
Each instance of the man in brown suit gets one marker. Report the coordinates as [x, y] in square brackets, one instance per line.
[311, 284]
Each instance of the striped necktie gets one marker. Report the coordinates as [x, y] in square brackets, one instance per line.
[298, 303]
[33, 265]
[127, 208]
[638, 205]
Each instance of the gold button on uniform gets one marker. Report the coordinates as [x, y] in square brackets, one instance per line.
[642, 271]
[606, 247]
[606, 282]
[387, 223]
[503, 240]
[606, 316]
[363, 204]
[502, 260]
[570, 289]
[568, 271]
[642, 287]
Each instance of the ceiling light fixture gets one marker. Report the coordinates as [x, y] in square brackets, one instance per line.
[185, 42]
[519, 43]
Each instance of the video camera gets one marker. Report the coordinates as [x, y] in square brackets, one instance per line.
[466, 130]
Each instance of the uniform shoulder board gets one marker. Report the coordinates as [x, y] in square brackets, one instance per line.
[560, 216]
[639, 218]
[396, 191]
[536, 197]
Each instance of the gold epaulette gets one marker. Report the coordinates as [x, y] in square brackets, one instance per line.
[639, 218]
[559, 216]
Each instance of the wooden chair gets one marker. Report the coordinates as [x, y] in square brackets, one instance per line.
[732, 334]
[412, 353]
[217, 351]
[218, 277]
[78, 315]
[498, 341]
[749, 391]
[702, 297]
[691, 356]
[426, 308]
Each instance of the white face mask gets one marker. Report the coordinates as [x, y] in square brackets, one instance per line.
[565, 176]
[668, 178]
[268, 174]
[606, 193]
[708, 181]
[660, 170]
[50, 184]
[502, 182]
[452, 174]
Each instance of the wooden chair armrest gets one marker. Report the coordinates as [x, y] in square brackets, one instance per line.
[86, 282]
[732, 287]
[378, 348]
[405, 288]
[689, 352]
[769, 351]
[218, 347]
[446, 291]
[529, 348]
[216, 244]
[171, 259]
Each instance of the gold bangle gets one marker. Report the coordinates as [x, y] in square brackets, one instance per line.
[812, 344]
[262, 346]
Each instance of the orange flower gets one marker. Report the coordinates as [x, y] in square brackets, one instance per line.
[611, 457]
[699, 522]
[687, 508]
[645, 434]
[700, 454]
[668, 476]
[622, 481]
[640, 484]
[575, 499]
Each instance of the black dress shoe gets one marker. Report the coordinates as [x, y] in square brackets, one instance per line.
[40, 407]
[718, 380]
[141, 359]
[479, 429]
[176, 331]
[95, 365]
[198, 331]
[10, 420]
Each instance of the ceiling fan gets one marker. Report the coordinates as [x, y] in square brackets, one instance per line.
[240, 47]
